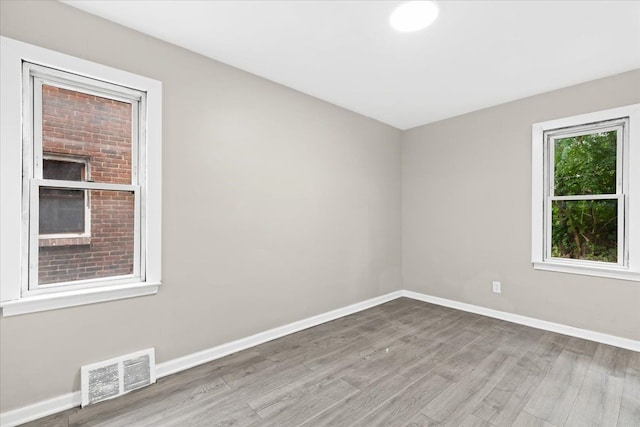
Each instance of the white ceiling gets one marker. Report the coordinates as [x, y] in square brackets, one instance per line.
[477, 54]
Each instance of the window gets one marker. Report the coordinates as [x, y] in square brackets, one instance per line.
[81, 148]
[64, 215]
[586, 186]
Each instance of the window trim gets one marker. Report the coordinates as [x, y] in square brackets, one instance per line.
[627, 192]
[13, 299]
[34, 77]
[621, 126]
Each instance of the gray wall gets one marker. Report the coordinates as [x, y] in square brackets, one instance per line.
[467, 213]
[276, 207]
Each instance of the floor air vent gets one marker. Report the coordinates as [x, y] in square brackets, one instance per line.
[117, 376]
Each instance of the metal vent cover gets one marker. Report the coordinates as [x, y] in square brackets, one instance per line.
[114, 377]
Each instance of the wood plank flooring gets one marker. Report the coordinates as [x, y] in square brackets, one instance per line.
[403, 363]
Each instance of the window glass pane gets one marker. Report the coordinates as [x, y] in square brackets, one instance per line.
[63, 170]
[61, 211]
[585, 164]
[585, 229]
[90, 127]
[109, 250]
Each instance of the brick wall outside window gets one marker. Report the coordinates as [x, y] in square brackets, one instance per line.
[98, 130]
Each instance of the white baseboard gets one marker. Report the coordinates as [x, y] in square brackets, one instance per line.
[613, 340]
[71, 400]
[40, 409]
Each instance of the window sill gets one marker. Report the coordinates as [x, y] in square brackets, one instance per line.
[611, 273]
[56, 300]
[63, 241]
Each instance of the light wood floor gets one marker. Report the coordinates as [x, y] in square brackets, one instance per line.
[404, 363]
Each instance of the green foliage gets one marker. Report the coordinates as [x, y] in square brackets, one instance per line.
[585, 164]
[585, 229]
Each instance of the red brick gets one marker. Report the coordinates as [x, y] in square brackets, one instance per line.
[98, 129]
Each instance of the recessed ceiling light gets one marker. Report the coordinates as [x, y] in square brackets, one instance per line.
[413, 16]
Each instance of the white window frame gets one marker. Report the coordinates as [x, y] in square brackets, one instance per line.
[87, 202]
[627, 121]
[33, 78]
[16, 294]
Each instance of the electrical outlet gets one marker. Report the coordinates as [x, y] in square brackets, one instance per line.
[497, 287]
